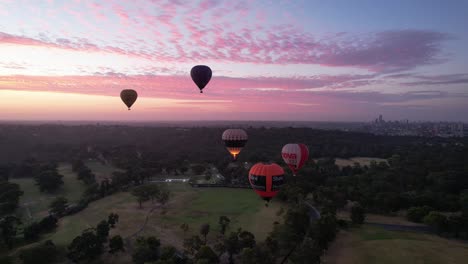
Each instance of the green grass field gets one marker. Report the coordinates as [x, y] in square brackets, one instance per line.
[368, 245]
[35, 204]
[187, 205]
[205, 205]
[363, 161]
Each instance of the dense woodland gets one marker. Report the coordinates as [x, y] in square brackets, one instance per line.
[427, 177]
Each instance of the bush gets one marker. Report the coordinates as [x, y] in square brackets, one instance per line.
[43, 254]
[48, 223]
[32, 231]
[417, 214]
[358, 214]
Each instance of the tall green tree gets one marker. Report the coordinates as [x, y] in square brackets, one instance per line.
[9, 197]
[204, 230]
[142, 193]
[112, 219]
[146, 250]
[116, 244]
[8, 228]
[58, 206]
[206, 255]
[49, 180]
[102, 230]
[358, 214]
[223, 224]
[85, 247]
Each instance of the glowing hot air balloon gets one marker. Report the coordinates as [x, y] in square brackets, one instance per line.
[266, 179]
[201, 76]
[235, 140]
[295, 156]
[129, 97]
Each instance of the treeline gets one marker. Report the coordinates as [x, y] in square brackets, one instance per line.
[59, 143]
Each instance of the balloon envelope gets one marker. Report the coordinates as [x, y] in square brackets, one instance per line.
[129, 97]
[266, 179]
[295, 156]
[201, 76]
[234, 140]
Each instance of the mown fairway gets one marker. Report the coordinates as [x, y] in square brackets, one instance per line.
[35, 204]
[375, 245]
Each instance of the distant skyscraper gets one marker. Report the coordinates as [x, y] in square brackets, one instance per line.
[380, 119]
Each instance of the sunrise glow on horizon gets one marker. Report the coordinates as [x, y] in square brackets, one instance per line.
[271, 60]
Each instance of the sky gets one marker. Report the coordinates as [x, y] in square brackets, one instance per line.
[302, 60]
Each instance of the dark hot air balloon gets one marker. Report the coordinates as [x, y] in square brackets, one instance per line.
[295, 156]
[201, 76]
[129, 97]
[235, 140]
[266, 179]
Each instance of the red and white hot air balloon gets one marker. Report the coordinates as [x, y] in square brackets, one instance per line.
[295, 156]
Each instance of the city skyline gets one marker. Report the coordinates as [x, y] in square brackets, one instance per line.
[271, 60]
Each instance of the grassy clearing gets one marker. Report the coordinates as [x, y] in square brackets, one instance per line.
[35, 204]
[245, 209]
[382, 219]
[363, 161]
[187, 205]
[376, 245]
[101, 171]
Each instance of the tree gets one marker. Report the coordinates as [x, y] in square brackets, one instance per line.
[204, 230]
[184, 228]
[206, 255]
[147, 250]
[8, 228]
[464, 202]
[183, 169]
[246, 240]
[163, 197]
[43, 254]
[116, 244]
[416, 214]
[223, 223]
[307, 252]
[49, 180]
[112, 219]
[198, 169]
[169, 255]
[9, 197]
[142, 193]
[437, 221]
[6, 260]
[85, 247]
[48, 223]
[358, 214]
[260, 254]
[232, 246]
[77, 164]
[192, 244]
[102, 230]
[58, 206]
[32, 231]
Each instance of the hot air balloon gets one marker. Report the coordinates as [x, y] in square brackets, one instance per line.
[129, 97]
[235, 140]
[201, 76]
[266, 179]
[295, 156]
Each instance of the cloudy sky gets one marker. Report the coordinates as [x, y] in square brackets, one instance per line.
[271, 60]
